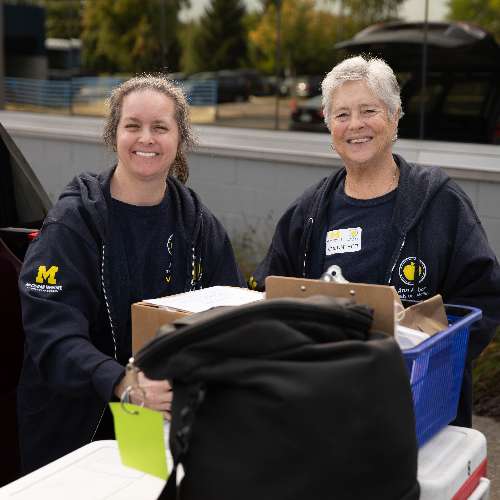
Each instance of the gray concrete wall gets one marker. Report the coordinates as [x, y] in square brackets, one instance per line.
[248, 177]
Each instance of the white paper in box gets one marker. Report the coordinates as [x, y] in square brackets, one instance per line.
[207, 298]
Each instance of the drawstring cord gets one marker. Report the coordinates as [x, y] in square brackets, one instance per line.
[416, 275]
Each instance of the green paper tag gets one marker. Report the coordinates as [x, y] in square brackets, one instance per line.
[140, 438]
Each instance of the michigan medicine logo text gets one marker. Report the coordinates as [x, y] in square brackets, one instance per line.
[45, 280]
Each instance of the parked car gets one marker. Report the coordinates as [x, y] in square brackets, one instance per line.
[256, 83]
[23, 206]
[462, 96]
[459, 106]
[301, 86]
[231, 86]
[308, 85]
[308, 115]
[286, 86]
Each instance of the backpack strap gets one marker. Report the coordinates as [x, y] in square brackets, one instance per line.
[182, 437]
[170, 491]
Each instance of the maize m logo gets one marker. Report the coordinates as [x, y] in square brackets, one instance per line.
[45, 281]
[47, 275]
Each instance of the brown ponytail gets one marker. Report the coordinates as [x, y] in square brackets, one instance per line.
[180, 167]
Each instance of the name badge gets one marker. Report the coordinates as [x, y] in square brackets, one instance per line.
[343, 240]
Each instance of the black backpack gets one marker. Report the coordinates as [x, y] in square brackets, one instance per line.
[286, 399]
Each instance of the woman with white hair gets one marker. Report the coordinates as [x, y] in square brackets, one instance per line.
[383, 220]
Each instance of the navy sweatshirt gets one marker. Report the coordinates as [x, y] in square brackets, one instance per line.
[433, 224]
[76, 308]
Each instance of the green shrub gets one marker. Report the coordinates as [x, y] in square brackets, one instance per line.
[486, 376]
[250, 243]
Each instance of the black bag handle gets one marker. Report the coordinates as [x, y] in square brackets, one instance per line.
[170, 339]
[191, 320]
[182, 438]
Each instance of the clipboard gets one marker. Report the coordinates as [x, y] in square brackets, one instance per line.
[380, 298]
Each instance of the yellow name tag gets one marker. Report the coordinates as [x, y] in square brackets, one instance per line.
[343, 240]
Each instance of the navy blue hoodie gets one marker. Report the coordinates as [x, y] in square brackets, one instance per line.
[433, 223]
[75, 312]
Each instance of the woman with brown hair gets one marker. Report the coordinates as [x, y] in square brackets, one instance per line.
[131, 233]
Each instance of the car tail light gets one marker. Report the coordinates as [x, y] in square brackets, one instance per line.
[293, 105]
[33, 235]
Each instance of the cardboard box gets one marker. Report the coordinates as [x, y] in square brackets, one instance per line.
[146, 321]
[428, 316]
[149, 315]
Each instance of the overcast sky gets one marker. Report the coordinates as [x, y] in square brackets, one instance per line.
[412, 10]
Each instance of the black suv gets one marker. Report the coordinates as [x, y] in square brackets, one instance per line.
[461, 101]
[23, 206]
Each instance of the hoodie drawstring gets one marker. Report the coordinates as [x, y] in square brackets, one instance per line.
[416, 274]
[196, 260]
[307, 239]
[316, 206]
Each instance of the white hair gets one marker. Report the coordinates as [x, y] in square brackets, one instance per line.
[378, 76]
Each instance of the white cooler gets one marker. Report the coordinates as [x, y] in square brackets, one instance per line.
[452, 465]
[93, 472]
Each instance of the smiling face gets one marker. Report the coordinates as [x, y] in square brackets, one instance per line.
[147, 136]
[362, 130]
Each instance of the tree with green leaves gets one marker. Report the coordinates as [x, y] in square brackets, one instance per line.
[63, 18]
[220, 39]
[362, 13]
[130, 36]
[484, 13]
[308, 36]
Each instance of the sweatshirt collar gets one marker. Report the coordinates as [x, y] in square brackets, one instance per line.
[95, 194]
[417, 187]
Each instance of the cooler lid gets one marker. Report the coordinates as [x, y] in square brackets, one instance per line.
[448, 460]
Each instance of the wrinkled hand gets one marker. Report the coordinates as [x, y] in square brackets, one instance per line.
[154, 394]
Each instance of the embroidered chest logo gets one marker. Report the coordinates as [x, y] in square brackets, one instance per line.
[343, 240]
[45, 280]
[252, 283]
[47, 275]
[408, 270]
[170, 250]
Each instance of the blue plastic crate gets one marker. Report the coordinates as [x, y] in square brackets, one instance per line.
[436, 368]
